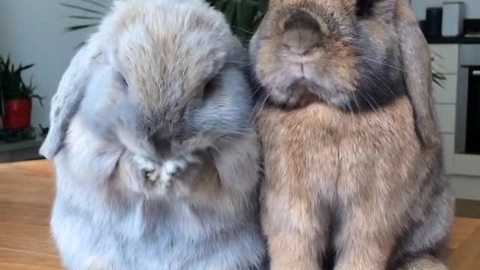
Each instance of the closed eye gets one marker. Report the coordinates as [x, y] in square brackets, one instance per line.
[210, 87]
[122, 80]
[364, 8]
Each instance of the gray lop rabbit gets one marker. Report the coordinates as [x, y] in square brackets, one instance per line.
[155, 154]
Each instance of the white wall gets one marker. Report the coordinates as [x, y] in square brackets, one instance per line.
[472, 7]
[32, 31]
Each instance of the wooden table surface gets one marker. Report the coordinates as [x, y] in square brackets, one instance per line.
[26, 195]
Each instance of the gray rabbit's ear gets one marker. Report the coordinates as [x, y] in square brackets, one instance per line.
[416, 62]
[66, 101]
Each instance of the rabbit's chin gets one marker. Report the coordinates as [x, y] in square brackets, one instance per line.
[362, 96]
[302, 92]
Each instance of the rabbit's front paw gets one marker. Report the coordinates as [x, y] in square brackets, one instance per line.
[158, 177]
[171, 169]
[148, 168]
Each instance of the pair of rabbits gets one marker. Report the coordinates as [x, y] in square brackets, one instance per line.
[157, 155]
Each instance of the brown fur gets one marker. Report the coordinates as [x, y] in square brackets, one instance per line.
[365, 183]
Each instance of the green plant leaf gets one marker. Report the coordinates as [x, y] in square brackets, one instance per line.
[96, 3]
[12, 85]
[22, 68]
[243, 16]
[88, 10]
[220, 4]
[94, 9]
[79, 17]
[230, 12]
[78, 27]
[245, 19]
[39, 98]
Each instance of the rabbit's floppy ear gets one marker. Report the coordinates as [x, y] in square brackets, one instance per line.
[417, 73]
[66, 101]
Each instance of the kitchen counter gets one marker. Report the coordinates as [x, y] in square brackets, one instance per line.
[26, 196]
[24, 150]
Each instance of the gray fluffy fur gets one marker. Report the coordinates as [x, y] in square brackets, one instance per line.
[159, 84]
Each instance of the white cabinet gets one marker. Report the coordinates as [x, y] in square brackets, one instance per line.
[446, 118]
[448, 151]
[463, 171]
[466, 165]
[447, 92]
[445, 60]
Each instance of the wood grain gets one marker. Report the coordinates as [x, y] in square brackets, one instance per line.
[26, 196]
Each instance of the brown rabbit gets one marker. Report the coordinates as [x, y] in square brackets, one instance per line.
[353, 161]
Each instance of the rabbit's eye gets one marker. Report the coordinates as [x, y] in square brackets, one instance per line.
[364, 8]
[209, 87]
[123, 82]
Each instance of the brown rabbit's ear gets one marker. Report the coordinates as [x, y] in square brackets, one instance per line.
[66, 101]
[416, 62]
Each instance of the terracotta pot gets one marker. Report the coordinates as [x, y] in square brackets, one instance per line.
[18, 113]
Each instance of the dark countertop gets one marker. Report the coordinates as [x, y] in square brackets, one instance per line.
[453, 40]
[470, 26]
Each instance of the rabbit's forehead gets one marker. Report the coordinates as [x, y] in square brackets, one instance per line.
[172, 44]
[329, 4]
[173, 41]
[337, 7]
[183, 30]
[171, 55]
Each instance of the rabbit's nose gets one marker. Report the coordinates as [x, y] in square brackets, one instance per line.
[300, 19]
[300, 50]
[302, 34]
[298, 44]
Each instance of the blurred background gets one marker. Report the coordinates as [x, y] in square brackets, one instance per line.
[31, 32]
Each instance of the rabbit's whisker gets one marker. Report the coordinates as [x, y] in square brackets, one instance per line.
[259, 107]
[256, 91]
[387, 91]
[399, 68]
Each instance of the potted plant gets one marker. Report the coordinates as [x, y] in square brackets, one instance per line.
[244, 16]
[16, 95]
